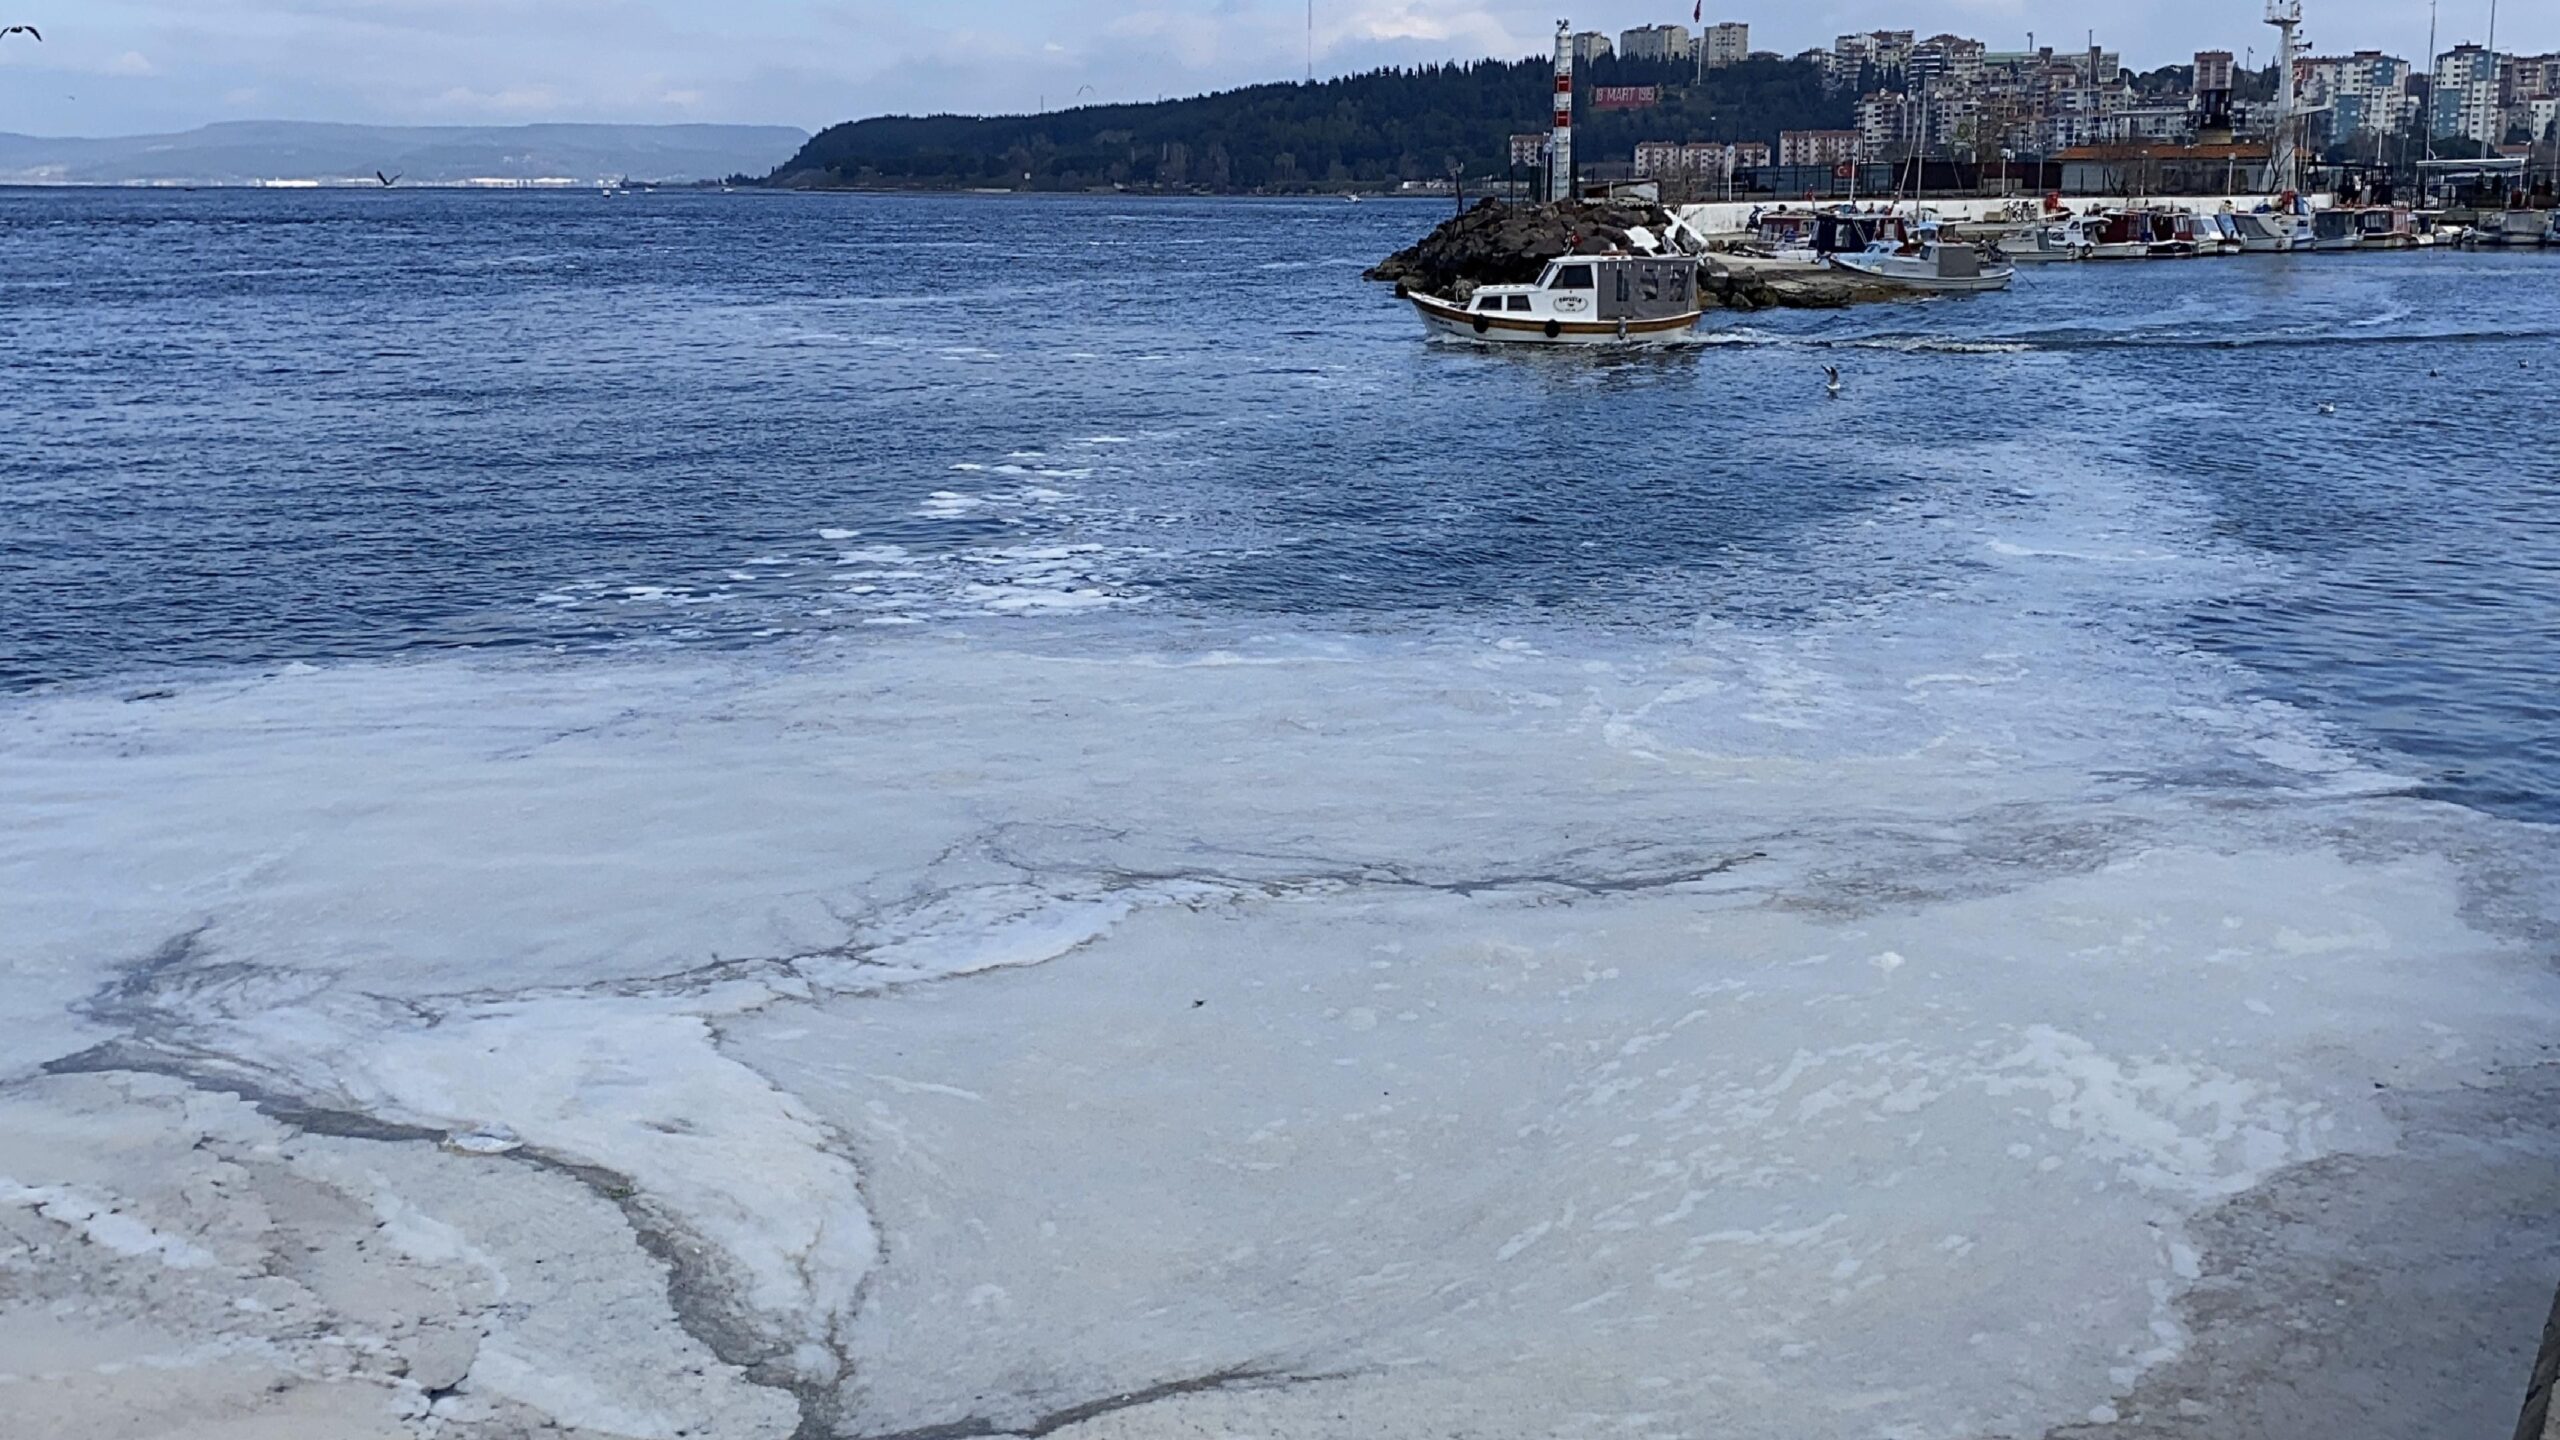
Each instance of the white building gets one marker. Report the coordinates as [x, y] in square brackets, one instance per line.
[2466, 95]
[1657, 42]
[2368, 92]
[1886, 126]
[1945, 63]
[1876, 50]
[1818, 147]
[1588, 46]
[1727, 42]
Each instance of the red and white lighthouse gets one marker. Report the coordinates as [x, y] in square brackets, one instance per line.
[1560, 147]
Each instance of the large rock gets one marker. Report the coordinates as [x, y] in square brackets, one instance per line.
[1497, 243]
[1503, 244]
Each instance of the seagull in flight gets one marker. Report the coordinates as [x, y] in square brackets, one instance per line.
[1831, 381]
[388, 180]
[27, 30]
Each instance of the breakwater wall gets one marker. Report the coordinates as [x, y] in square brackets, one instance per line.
[1733, 217]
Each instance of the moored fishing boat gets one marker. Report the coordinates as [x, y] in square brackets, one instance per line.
[2513, 226]
[2335, 230]
[2123, 235]
[2276, 228]
[1929, 263]
[2385, 227]
[2225, 232]
[1576, 300]
[2173, 236]
[1811, 236]
[2071, 238]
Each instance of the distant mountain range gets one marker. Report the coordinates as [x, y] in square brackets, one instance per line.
[270, 151]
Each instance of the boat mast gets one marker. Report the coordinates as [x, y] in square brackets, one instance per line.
[2430, 115]
[2284, 162]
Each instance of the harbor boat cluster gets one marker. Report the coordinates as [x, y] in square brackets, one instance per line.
[1628, 282]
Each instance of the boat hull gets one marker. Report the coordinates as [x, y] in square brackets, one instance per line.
[1449, 321]
[1989, 279]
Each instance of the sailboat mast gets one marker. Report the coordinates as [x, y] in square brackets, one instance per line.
[2430, 116]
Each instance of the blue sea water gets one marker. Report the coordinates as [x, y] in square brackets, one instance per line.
[250, 428]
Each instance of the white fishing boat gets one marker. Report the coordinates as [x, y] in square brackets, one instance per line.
[2222, 229]
[2068, 239]
[2335, 229]
[1576, 300]
[2385, 227]
[1929, 264]
[2512, 227]
[1812, 236]
[2273, 232]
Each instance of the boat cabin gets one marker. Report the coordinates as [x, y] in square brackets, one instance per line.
[1805, 234]
[1599, 287]
[1577, 300]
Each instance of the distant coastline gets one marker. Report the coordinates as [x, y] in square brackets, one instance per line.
[291, 154]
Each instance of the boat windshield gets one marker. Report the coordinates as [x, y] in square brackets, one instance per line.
[1570, 277]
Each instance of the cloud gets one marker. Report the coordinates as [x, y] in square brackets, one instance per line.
[513, 101]
[795, 62]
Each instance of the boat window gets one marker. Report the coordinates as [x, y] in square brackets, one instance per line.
[1652, 284]
[1622, 284]
[1571, 277]
[1488, 302]
[1519, 302]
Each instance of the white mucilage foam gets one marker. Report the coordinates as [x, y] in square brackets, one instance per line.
[1809, 1028]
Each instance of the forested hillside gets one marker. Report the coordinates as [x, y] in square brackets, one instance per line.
[1376, 128]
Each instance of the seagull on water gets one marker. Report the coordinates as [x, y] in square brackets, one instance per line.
[2328, 409]
[1831, 381]
[29, 31]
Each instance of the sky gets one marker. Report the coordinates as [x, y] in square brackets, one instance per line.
[114, 67]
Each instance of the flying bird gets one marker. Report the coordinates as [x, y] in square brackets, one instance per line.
[1831, 381]
[29, 31]
[388, 180]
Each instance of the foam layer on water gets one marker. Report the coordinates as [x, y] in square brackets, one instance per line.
[1556, 1030]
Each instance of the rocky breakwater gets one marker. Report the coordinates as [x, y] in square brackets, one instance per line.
[1497, 243]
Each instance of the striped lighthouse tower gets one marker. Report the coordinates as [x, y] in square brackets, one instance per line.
[1560, 147]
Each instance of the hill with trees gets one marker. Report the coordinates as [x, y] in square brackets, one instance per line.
[1378, 128]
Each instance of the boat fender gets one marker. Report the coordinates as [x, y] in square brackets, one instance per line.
[1554, 329]
[1400, 290]
[1482, 324]
[1622, 329]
